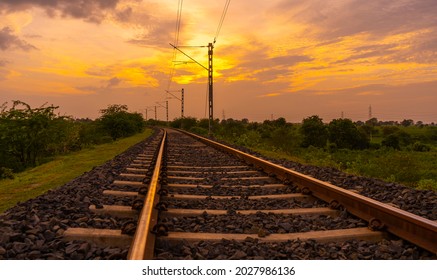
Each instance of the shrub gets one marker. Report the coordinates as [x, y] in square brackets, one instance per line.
[199, 130]
[346, 135]
[314, 132]
[391, 141]
[420, 147]
[119, 123]
[6, 173]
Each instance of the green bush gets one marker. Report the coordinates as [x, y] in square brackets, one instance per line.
[119, 123]
[345, 134]
[420, 147]
[314, 132]
[199, 130]
[391, 141]
[6, 173]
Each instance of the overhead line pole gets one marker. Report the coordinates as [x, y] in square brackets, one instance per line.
[166, 107]
[210, 87]
[180, 99]
[182, 103]
[210, 82]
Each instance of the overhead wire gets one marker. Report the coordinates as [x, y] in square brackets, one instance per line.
[176, 42]
[222, 19]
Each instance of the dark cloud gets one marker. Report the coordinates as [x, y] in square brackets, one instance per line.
[90, 10]
[378, 17]
[113, 82]
[10, 41]
[105, 85]
[3, 62]
[124, 15]
[159, 33]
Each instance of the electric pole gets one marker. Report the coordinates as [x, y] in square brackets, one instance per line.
[210, 82]
[210, 86]
[166, 108]
[180, 99]
[182, 103]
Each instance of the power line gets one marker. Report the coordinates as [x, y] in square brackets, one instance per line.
[178, 22]
[222, 19]
[176, 42]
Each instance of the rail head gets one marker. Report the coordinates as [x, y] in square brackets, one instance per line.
[416, 229]
[142, 244]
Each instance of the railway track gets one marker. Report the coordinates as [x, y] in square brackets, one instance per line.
[204, 200]
[180, 196]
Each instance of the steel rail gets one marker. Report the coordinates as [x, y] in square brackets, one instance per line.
[143, 243]
[416, 229]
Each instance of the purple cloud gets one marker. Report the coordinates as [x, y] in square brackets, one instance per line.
[90, 10]
[10, 41]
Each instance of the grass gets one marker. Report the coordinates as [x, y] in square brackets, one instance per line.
[60, 170]
[407, 167]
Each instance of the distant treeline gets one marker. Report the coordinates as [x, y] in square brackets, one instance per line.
[30, 136]
[313, 132]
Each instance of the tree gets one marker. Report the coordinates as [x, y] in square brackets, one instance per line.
[27, 134]
[314, 132]
[118, 122]
[408, 122]
[345, 134]
[391, 141]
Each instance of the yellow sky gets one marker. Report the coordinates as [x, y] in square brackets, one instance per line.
[283, 58]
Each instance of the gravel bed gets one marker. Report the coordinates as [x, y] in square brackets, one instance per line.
[218, 174]
[125, 188]
[260, 223]
[234, 190]
[116, 200]
[243, 204]
[253, 249]
[217, 181]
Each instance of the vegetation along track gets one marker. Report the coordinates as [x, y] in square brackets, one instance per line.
[202, 202]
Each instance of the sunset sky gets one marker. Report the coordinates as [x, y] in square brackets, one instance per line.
[280, 58]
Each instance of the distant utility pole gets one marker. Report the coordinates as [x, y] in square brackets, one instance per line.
[342, 114]
[156, 116]
[223, 115]
[180, 99]
[182, 103]
[210, 87]
[166, 107]
[370, 112]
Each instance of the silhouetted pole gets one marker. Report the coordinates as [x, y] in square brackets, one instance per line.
[182, 103]
[210, 86]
